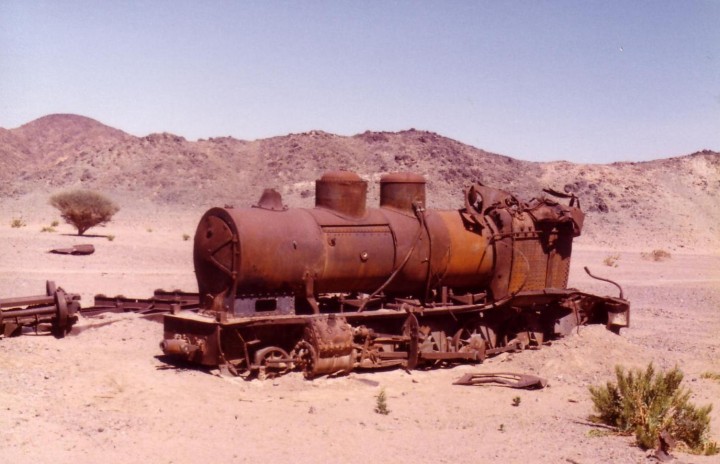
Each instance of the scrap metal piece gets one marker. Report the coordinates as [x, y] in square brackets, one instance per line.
[605, 280]
[503, 379]
[160, 303]
[75, 250]
[56, 308]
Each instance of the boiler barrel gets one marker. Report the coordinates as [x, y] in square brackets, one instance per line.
[266, 252]
[275, 252]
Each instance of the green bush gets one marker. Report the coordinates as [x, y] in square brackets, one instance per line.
[646, 403]
[84, 209]
[381, 403]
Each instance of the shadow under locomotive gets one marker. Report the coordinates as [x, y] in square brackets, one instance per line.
[341, 286]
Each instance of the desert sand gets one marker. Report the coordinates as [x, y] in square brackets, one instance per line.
[104, 394]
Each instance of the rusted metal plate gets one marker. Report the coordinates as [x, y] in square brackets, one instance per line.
[503, 379]
[75, 250]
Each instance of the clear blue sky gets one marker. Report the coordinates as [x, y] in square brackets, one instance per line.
[586, 81]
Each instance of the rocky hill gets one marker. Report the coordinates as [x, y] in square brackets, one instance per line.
[670, 202]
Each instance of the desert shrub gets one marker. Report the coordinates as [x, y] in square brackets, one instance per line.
[47, 229]
[611, 260]
[656, 255]
[646, 403]
[186, 237]
[54, 224]
[381, 403]
[16, 223]
[710, 376]
[110, 238]
[84, 209]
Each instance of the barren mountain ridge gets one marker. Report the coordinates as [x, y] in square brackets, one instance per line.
[672, 200]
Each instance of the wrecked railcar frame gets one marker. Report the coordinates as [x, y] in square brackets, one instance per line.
[55, 308]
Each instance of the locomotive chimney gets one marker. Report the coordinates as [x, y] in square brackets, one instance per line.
[343, 192]
[400, 190]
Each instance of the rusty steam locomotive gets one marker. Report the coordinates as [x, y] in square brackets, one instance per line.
[342, 286]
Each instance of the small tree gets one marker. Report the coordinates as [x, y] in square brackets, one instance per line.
[84, 209]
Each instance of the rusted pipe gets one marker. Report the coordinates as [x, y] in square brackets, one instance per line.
[606, 280]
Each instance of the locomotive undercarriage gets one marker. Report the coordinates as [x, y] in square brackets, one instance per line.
[400, 333]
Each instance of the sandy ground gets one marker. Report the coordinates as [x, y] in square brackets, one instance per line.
[104, 395]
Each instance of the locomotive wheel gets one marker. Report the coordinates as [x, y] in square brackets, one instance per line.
[465, 341]
[535, 332]
[304, 356]
[410, 330]
[488, 334]
[272, 361]
[426, 340]
[50, 288]
[433, 342]
[475, 329]
[60, 326]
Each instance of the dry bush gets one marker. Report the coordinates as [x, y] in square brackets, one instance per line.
[16, 223]
[646, 403]
[611, 260]
[84, 209]
[710, 376]
[656, 255]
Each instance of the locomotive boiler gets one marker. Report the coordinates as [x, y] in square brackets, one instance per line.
[342, 286]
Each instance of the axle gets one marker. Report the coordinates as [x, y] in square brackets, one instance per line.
[56, 308]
